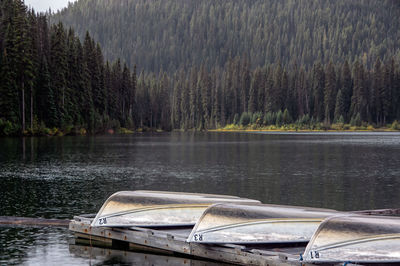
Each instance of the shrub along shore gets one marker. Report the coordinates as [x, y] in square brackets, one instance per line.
[307, 128]
[282, 121]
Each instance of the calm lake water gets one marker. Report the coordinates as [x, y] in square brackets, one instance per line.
[62, 177]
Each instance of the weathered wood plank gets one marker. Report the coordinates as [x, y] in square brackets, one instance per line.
[27, 221]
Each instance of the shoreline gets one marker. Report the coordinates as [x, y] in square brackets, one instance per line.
[302, 130]
[227, 129]
[292, 128]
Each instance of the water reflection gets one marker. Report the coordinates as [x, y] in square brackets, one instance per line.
[108, 256]
[62, 177]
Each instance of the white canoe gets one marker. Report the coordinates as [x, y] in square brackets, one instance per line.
[257, 224]
[158, 208]
[356, 239]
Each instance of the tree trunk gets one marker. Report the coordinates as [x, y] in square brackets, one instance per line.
[23, 107]
[31, 109]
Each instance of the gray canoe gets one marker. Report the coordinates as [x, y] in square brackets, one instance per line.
[158, 208]
[356, 239]
[257, 224]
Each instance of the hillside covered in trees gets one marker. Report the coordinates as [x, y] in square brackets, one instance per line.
[169, 34]
[51, 80]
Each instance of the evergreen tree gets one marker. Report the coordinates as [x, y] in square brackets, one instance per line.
[205, 89]
[165, 102]
[287, 119]
[340, 106]
[184, 104]
[176, 102]
[47, 111]
[330, 92]
[8, 91]
[58, 72]
[359, 98]
[192, 98]
[346, 87]
[318, 85]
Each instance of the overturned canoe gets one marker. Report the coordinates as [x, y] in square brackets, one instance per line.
[157, 208]
[356, 239]
[257, 224]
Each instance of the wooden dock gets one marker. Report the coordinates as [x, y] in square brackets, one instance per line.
[173, 242]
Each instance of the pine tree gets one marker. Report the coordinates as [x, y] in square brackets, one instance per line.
[252, 105]
[396, 92]
[33, 51]
[277, 89]
[244, 84]
[374, 106]
[385, 92]
[360, 95]
[100, 91]
[301, 93]
[269, 99]
[22, 56]
[287, 119]
[184, 104]
[81, 87]
[165, 102]
[205, 90]
[124, 95]
[176, 102]
[216, 96]
[330, 92]
[340, 106]
[72, 77]
[257, 90]
[47, 111]
[58, 71]
[347, 87]
[114, 90]
[8, 91]
[132, 101]
[318, 85]
[193, 98]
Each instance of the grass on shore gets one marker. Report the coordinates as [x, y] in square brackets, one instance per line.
[319, 127]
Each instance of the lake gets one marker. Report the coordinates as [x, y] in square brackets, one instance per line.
[60, 177]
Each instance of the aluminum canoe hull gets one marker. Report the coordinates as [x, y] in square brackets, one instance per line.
[357, 239]
[257, 224]
[158, 208]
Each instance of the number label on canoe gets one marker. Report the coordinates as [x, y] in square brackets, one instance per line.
[314, 254]
[198, 237]
[102, 221]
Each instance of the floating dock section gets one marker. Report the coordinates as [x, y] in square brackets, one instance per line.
[229, 229]
[173, 242]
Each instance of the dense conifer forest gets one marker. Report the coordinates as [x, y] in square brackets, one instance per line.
[169, 34]
[52, 81]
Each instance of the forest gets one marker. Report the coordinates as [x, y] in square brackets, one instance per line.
[53, 82]
[171, 34]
